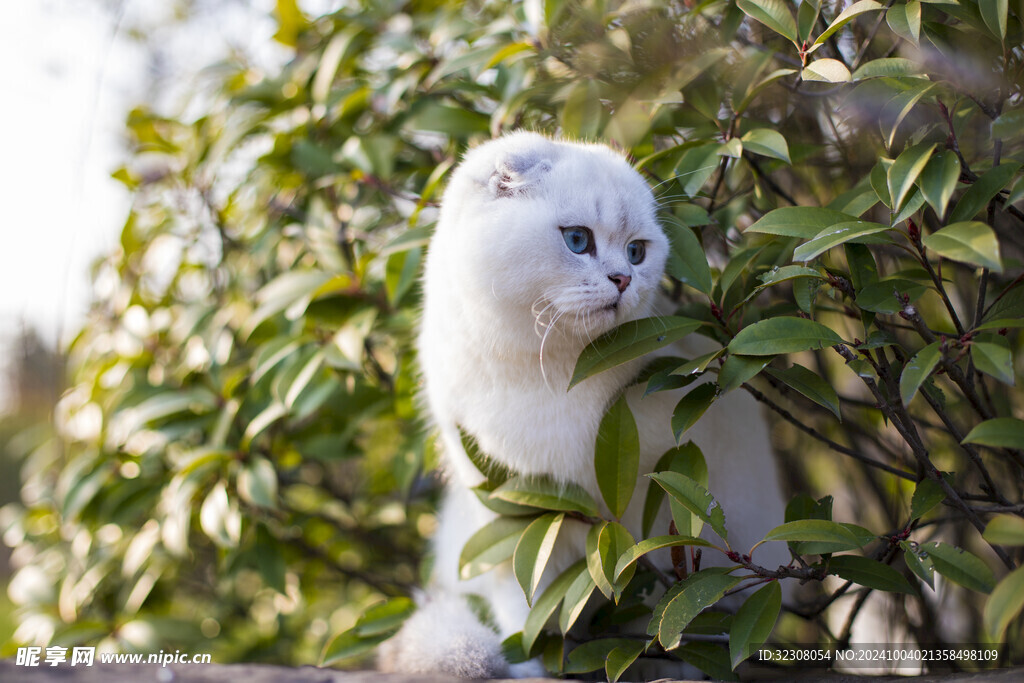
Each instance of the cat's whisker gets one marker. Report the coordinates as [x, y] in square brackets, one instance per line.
[538, 322]
[543, 373]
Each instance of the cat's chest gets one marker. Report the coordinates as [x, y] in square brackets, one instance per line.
[534, 425]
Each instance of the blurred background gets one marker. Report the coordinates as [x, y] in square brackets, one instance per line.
[82, 66]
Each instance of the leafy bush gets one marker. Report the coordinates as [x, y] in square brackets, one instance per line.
[240, 467]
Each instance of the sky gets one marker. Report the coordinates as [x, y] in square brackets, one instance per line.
[72, 71]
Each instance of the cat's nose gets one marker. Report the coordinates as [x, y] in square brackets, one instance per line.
[621, 281]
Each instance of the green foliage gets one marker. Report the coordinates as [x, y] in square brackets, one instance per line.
[240, 467]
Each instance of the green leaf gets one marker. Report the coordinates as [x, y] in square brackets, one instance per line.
[1005, 604]
[583, 112]
[927, 494]
[999, 432]
[495, 472]
[738, 265]
[691, 407]
[384, 618]
[738, 369]
[767, 142]
[686, 459]
[879, 179]
[835, 235]
[533, 551]
[799, 221]
[257, 482]
[699, 364]
[732, 148]
[292, 290]
[818, 530]
[905, 20]
[547, 494]
[993, 13]
[994, 359]
[913, 204]
[777, 275]
[807, 16]
[919, 563]
[881, 296]
[981, 192]
[1010, 124]
[905, 169]
[512, 649]
[960, 566]
[938, 180]
[686, 261]
[659, 376]
[700, 590]
[887, 67]
[864, 571]
[696, 166]
[629, 557]
[621, 657]
[591, 655]
[694, 497]
[1009, 305]
[810, 384]
[576, 598]
[1000, 323]
[290, 22]
[826, 70]
[617, 457]
[605, 543]
[896, 109]
[629, 341]
[783, 334]
[432, 115]
[491, 545]
[484, 492]
[348, 645]
[165, 404]
[219, 517]
[754, 622]
[401, 273]
[1005, 530]
[690, 215]
[803, 506]
[970, 242]
[846, 16]
[548, 602]
[917, 370]
[774, 14]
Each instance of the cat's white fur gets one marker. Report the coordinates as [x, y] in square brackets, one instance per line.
[508, 308]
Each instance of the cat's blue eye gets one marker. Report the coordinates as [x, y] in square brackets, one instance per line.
[579, 239]
[635, 252]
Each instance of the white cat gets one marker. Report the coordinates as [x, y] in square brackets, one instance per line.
[540, 247]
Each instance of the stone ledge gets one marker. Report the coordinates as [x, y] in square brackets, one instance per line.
[260, 673]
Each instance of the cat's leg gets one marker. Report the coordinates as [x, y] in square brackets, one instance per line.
[445, 634]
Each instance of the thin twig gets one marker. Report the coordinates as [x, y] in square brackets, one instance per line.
[786, 415]
[905, 426]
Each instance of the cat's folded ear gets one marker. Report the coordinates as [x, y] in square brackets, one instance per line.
[516, 171]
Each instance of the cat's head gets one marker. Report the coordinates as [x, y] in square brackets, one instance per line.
[564, 231]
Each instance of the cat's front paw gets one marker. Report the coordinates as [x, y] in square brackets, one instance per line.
[444, 636]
